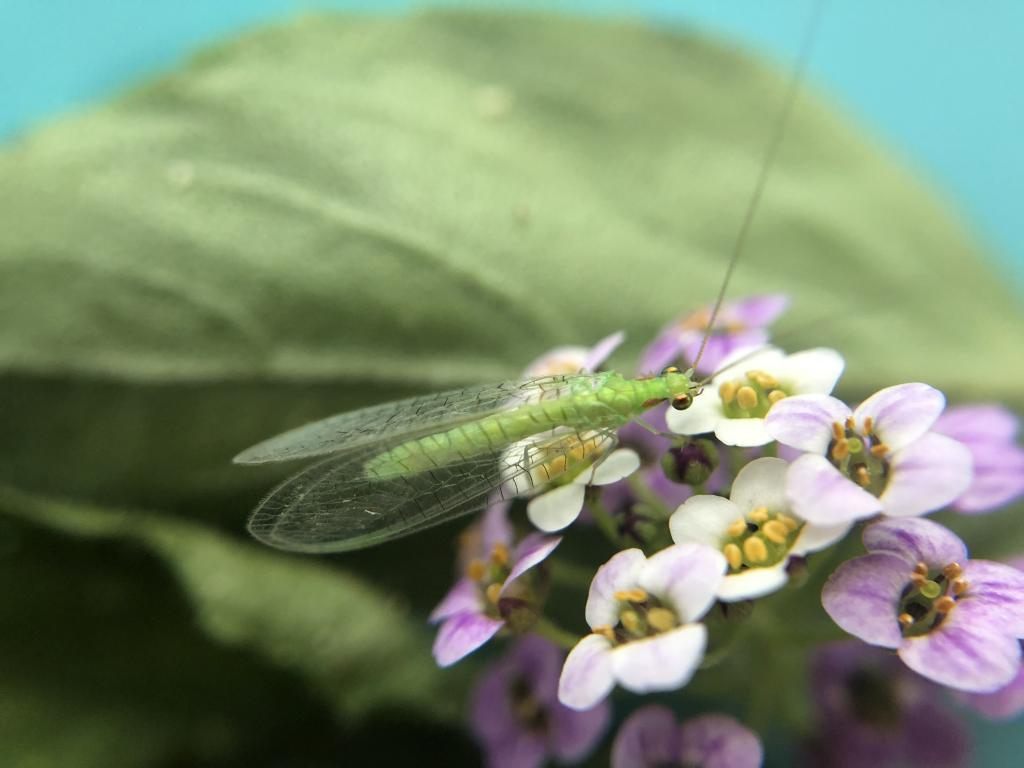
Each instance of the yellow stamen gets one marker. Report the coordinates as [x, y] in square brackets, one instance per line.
[661, 619]
[879, 450]
[944, 604]
[775, 395]
[841, 449]
[605, 631]
[775, 532]
[952, 571]
[850, 423]
[755, 550]
[869, 425]
[758, 515]
[959, 587]
[905, 619]
[737, 528]
[476, 569]
[790, 523]
[499, 554]
[862, 476]
[493, 593]
[921, 568]
[728, 391]
[733, 555]
[918, 578]
[635, 595]
[746, 397]
[838, 433]
[631, 621]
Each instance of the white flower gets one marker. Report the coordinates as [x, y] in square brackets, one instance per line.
[736, 401]
[568, 360]
[555, 509]
[754, 529]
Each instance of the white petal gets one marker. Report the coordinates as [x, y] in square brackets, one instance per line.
[559, 361]
[621, 572]
[761, 483]
[555, 509]
[700, 417]
[745, 433]
[901, 413]
[660, 663]
[812, 371]
[819, 493]
[805, 421]
[587, 676]
[619, 464]
[814, 536]
[926, 475]
[687, 576]
[703, 520]
[752, 583]
[765, 358]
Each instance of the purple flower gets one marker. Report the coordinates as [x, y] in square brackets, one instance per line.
[877, 458]
[875, 713]
[750, 385]
[754, 529]
[740, 324]
[651, 738]
[989, 432]
[953, 620]
[643, 613]
[573, 359]
[517, 718]
[492, 590]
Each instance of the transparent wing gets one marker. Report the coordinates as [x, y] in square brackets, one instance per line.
[332, 507]
[404, 419]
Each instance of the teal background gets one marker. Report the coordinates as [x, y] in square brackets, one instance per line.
[938, 80]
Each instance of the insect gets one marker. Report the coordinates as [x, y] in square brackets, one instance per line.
[390, 470]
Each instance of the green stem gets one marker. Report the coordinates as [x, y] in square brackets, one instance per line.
[570, 574]
[604, 520]
[556, 634]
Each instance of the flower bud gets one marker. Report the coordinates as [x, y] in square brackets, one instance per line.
[691, 461]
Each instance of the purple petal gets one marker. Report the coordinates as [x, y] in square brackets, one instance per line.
[587, 677]
[525, 749]
[927, 475]
[687, 575]
[805, 421]
[862, 596]
[984, 424]
[621, 572]
[916, 541]
[995, 594]
[662, 662]
[464, 597]
[532, 550]
[718, 741]
[819, 493]
[600, 352]
[962, 655]
[663, 350]
[758, 311]
[1002, 704]
[495, 527]
[720, 347]
[649, 738]
[902, 413]
[998, 478]
[539, 663]
[574, 734]
[462, 634]
[491, 717]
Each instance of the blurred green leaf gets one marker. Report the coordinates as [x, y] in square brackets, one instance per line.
[358, 649]
[345, 209]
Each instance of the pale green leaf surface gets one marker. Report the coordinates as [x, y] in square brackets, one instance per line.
[344, 209]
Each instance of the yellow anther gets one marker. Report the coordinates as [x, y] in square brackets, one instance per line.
[905, 619]
[841, 449]
[763, 379]
[790, 523]
[733, 556]
[861, 475]
[631, 621]
[918, 578]
[838, 433]
[959, 587]
[635, 595]
[869, 425]
[952, 571]
[661, 619]
[755, 550]
[758, 515]
[728, 391]
[944, 604]
[746, 398]
[775, 395]
[476, 569]
[879, 450]
[605, 631]
[493, 593]
[499, 554]
[775, 532]
[850, 423]
[921, 568]
[737, 528]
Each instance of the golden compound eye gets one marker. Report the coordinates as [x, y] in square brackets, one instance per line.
[670, 369]
[682, 402]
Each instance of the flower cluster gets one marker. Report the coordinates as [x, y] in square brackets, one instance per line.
[725, 510]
